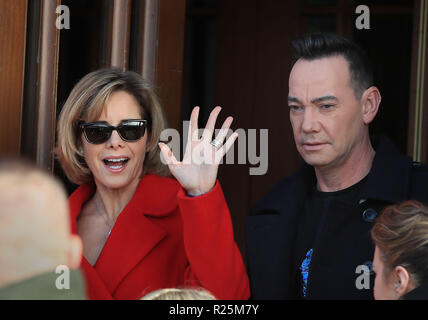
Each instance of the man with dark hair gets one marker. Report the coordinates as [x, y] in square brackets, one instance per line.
[310, 236]
[317, 46]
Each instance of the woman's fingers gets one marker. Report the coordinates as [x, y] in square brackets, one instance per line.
[196, 148]
[225, 148]
[167, 154]
[219, 154]
[224, 130]
[193, 129]
[209, 128]
[192, 133]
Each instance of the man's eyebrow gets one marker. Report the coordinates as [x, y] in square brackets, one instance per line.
[324, 98]
[316, 100]
[293, 99]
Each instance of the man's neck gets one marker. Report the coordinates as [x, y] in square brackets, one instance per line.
[353, 170]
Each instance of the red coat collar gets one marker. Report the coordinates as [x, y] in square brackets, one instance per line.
[134, 235]
[154, 196]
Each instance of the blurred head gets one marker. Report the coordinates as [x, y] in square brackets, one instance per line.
[400, 234]
[110, 96]
[179, 294]
[34, 223]
[331, 97]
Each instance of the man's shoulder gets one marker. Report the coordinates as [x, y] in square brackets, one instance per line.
[419, 182]
[420, 168]
[419, 173]
[44, 287]
[286, 184]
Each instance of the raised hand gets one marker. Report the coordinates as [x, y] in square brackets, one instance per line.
[197, 172]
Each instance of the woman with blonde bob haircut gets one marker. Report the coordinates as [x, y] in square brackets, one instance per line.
[401, 254]
[142, 229]
[86, 102]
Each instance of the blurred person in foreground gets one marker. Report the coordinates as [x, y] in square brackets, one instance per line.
[307, 238]
[141, 229]
[401, 253]
[35, 236]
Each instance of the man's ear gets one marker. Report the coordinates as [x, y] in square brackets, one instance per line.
[403, 283]
[370, 100]
[74, 252]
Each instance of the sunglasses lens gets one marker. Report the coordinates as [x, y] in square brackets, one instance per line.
[131, 132]
[97, 134]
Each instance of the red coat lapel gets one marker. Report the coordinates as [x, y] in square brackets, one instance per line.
[134, 235]
[131, 239]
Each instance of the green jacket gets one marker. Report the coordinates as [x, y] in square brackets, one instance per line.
[44, 287]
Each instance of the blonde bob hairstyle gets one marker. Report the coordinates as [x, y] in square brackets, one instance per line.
[179, 294]
[87, 101]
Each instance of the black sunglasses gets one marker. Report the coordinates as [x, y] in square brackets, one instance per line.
[100, 131]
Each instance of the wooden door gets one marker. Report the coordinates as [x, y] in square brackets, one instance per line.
[40, 63]
[13, 17]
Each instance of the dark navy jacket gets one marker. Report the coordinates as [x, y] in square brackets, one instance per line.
[419, 293]
[343, 241]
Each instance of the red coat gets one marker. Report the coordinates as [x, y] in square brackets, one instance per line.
[164, 239]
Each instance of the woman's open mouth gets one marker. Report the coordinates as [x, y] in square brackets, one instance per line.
[115, 164]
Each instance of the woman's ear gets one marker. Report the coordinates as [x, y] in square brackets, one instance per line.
[403, 283]
[370, 100]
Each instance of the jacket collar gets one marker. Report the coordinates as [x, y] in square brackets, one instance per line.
[154, 196]
[389, 176]
[134, 234]
[419, 293]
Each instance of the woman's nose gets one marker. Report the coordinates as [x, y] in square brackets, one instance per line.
[115, 140]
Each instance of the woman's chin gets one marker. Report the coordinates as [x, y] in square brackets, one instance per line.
[115, 183]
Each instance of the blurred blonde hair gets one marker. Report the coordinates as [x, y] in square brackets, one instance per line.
[401, 234]
[87, 101]
[179, 294]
